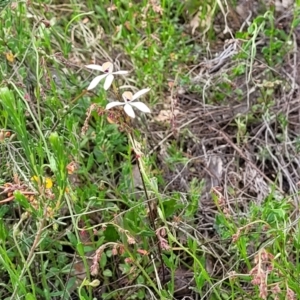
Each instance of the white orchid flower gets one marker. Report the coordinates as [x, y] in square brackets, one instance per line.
[128, 103]
[107, 68]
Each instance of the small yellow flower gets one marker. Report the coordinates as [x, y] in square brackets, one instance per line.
[35, 178]
[10, 57]
[47, 181]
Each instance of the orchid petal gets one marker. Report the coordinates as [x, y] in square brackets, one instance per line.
[127, 96]
[141, 106]
[121, 72]
[95, 67]
[107, 67]
[129, 110]
[140, 93]
[108, 81]
[113, 104]
[96, 81]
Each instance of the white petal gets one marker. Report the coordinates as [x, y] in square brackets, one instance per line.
[113, 104]
[141, 106]
[140, 93]
[121, 72]
[95, 67]
[108, 81]
[96, 81]
[129, 110]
